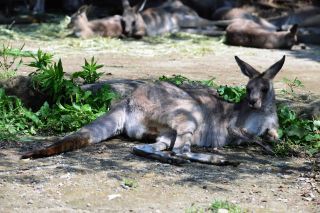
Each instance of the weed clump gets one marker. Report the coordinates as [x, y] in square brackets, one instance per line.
[69, 107]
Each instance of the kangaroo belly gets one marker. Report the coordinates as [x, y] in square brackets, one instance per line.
[257, 125]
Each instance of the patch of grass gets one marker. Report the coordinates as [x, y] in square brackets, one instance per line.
[10, 61]
[40, 31]
[231, 94]
[219, 204]
[89, 72]
[184, 43]
[130, 183]
[292, 86]
[195, 209]
[15, 119]
[70, 108]
[296, 132]
[215, 206]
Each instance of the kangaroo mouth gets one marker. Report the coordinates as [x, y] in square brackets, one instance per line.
[255, 105]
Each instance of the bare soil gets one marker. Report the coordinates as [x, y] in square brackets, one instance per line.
[92, 179]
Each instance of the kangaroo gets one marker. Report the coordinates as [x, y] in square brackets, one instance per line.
[170, 17]
[178, 117]
[250, 34]
[229, 13]
[308, 20]
[106, 27]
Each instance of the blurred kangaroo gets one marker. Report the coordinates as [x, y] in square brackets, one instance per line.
[178, 117]
[250, 34]
[105, 27]
[252, 31]
[230, 13]
[308, 20]
[172, 16]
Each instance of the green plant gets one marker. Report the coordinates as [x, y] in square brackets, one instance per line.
[15, 118]
[195, 209]
[9, 62]
[70, 107]
[296, 132]
[89, 72]
[180, 79]
[292, 85]
[50, 79]
[219, 204]
[41, 60]
[130, 183]
[232, 94]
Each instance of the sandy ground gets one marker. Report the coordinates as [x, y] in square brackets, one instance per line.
[91, 180]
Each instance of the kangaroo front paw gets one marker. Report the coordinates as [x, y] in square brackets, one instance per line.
[272, 135]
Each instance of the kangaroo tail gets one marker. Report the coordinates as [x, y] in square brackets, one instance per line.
[107, 126]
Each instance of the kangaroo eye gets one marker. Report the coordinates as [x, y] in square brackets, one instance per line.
[248, 90]
[265, 90]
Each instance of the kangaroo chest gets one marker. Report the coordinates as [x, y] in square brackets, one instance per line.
[256, 123]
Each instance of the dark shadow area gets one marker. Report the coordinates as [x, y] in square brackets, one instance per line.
[114, 156]
[311, 53]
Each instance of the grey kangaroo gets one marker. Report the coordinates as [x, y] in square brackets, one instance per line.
[105, 27]
[248, 33]
[177, 118]
[172, 16]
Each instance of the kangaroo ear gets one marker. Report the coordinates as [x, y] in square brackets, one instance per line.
[294, 29]
[125, 4]
[274, 69]
[246, 69]
[83, 9]
[138, 8]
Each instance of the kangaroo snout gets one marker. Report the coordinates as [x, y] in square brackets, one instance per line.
[255, 103]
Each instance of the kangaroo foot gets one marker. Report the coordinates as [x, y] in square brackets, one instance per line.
[208, 159]
[148, 151]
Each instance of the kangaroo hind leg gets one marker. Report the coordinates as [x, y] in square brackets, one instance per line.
[157, 151]
[184, 152]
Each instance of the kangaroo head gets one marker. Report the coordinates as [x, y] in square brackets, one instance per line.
[290, 37]
[132, 22]
[260, 90]
[79, 18]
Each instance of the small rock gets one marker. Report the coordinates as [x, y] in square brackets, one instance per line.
[124, 186]
[222, 211]
[283, 200]
[307, 199]
[113, 196]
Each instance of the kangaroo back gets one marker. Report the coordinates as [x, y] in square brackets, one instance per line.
[171, 16]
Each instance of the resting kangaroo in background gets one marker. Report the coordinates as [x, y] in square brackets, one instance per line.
[106, 27]
[228, 13]
[179, 117]
[171, 16]
[250, 34]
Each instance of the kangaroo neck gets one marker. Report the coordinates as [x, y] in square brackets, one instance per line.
[267, 107]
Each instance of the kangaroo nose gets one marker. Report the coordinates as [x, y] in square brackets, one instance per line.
[252, 102]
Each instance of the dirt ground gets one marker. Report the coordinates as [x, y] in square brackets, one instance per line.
[92, 179]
